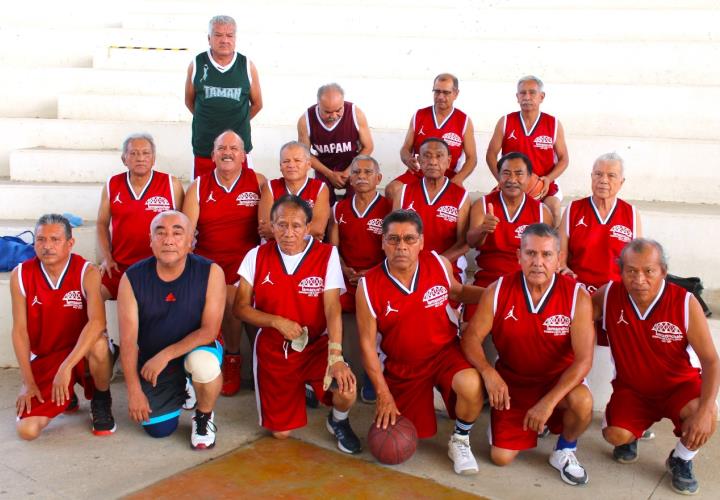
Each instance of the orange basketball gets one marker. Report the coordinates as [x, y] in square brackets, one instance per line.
[534, 186]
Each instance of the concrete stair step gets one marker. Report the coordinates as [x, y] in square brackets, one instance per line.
[30, 200]
[414, 57]
[84, 151]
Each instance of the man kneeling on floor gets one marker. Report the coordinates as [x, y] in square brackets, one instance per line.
[170, 307]
[541, 324]
[290, 288]
[59, 332]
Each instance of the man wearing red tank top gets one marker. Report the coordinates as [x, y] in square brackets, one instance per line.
[59, 333]
[295, 162]
[337, 131]
[223, 208]
[442, 121]
[498, 219]
[405, 301]
[541, 324]
[666, 365]
[128, 203]
[537, 135]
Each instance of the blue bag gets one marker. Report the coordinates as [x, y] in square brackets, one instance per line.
[14, 250]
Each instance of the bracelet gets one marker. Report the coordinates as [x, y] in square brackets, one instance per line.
[335, 346]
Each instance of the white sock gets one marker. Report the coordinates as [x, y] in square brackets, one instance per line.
[338, 415]
[683, 453]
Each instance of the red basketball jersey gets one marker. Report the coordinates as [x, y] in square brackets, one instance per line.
[414, 322]
[131, 214]
[594, 244]
[56, 312]
[361, 233]
[308, 192]
[452, 131]
[227, 225]
[439, 215]
[498, 254]
[537, 143]
[533, 341]
[334, 146]
[297, 296]
[651, 351]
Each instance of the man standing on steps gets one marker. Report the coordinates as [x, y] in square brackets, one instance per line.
[169, 308]
[222, 91]
[59, 333]
[497, 221]
[538, 136]
[223, 210]
[337, 131]
[128, 204]
[666, 365]
[442, 121]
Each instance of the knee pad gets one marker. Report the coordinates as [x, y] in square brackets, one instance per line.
[202, 365]
[162, 429]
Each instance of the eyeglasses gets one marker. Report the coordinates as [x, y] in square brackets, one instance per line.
[443, 92]
[409, 239]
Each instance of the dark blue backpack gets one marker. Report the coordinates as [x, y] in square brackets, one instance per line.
[14, 250]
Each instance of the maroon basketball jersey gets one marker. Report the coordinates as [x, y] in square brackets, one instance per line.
[308, 192]
[451, 130]
[297, 296]
[414, 322]
[650, 351]
[533, 340]
[227, 225]
[594, 244]
[439, 215]
[537, 143]
[360, 234]
[334, 146]
[498, 254]
[131, 214]
[56, 312]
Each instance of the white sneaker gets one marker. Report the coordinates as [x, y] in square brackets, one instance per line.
[460, 453]
[190, 399]
[571, 471]
[203, 431]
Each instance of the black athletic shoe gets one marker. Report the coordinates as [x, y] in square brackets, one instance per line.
[683, 479]
[311, 400]
[347, 441]
[626, 453]
[74, 404]
[102, 417]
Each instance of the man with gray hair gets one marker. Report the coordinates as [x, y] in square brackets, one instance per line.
[222, 91]
[666, 365]
[336, 130]
[537, 135]
[59, 333]
[128, 203]
[170, 307]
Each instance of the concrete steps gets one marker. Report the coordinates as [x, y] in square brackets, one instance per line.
[30, 200]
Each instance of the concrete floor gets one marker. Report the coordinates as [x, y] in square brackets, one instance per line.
[110, 467]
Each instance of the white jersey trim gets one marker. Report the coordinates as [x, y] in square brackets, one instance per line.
[532, 129]
[634, 221]
[357, 127]
[439, 193]
[517, 213]
[172, 190]
[567, 219]
[574, 300]
[442, 266]
[650, 308]
[441, 125]
[20, 280]
[605, 298]
[367, 297]
[367, 209]
[322, 124]
[402, 195]
[497, 294]
[611, 212]
[225, 69]
[194, 70]
[686, 311]
[534, 308]
[56, 286]
[82, 279]
[255, 370]
[144, 189]
[232, 186]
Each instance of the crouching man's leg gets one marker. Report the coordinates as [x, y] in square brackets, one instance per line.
[203, 364]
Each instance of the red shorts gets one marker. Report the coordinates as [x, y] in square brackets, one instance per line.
[113, 282]
[280, 377]
[204, 165]
[506, 426]
[412, 387]
[631, 411]
[552, 190]
[44, 370]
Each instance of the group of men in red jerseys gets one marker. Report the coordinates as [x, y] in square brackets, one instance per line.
[237, 248]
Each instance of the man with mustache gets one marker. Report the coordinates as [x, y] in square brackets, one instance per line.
[223, 208]
[337, 131]
[59, 332]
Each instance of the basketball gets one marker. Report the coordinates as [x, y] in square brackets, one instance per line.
[395, 444]
[534, 186]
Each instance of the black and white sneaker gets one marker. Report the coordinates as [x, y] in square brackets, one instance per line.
[311, 400]
[571, 471]
[626, 453]
[190, 398]
[203, 431]
[103, 422]
[683, 478]
[347, 441]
